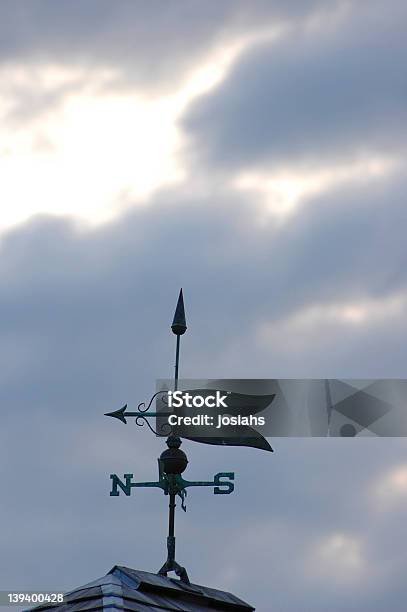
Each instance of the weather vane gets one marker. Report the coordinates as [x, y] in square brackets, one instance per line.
[173, 461]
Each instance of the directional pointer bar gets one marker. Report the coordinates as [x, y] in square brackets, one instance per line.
[121, 414]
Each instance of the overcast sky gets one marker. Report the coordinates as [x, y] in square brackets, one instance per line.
[254, 154]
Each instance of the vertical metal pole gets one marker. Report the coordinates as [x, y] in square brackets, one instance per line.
[178, 327]
[171, 529]
[171, 516]
[176, 363]
[328, 404]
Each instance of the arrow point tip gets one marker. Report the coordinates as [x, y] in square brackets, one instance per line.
[118, 414]
[179, 325]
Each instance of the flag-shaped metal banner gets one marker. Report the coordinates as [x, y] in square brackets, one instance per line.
[208, 426]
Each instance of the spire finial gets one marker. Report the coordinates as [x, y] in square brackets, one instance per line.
[179, 324]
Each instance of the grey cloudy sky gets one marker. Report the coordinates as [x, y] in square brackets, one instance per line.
[253, 153]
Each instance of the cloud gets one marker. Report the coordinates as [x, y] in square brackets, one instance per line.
[321, 95]
[339, 557]
[389, 491]
[68, 289]
[116, 79]
[152, 43]
[105, 150]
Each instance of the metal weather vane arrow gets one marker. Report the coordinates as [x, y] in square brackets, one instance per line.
[121, 414]
[142, 413]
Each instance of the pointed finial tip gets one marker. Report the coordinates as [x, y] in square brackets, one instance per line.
[118, 414]
[179, 325]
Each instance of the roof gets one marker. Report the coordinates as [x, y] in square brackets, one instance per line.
[127, 589]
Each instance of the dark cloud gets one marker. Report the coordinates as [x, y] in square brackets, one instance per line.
[147, 46]
[78, 292]
[153, 42]
[321, 94]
